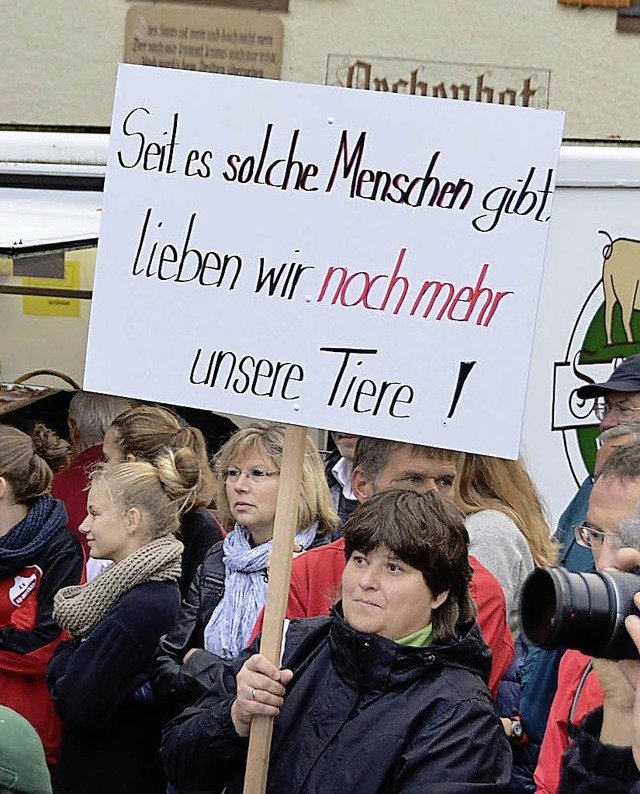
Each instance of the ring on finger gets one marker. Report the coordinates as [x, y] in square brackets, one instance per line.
[253, 693]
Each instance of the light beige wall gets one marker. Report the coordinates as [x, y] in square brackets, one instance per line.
[59, 58]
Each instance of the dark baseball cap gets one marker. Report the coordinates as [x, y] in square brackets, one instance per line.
[625, 377]
[22, 763]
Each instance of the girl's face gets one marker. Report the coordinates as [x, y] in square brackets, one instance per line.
[110, 535]
[252, 490]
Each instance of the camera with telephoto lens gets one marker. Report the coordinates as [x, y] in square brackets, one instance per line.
[583, 611]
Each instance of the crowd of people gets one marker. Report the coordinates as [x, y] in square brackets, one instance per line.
[134, 568]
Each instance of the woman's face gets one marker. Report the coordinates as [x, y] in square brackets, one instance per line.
[252, 491]
[111, 451]
[383, 595]
[109, 535]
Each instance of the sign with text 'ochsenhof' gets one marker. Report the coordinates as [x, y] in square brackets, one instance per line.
[323, 257]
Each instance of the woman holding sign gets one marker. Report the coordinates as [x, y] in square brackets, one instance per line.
[386, 695]
[230, 587]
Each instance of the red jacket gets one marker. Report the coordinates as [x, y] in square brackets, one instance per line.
[316, 577]
[71, 487]
[556, 739]
[29, 635]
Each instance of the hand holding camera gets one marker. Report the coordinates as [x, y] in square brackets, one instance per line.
[621, 718]
[599, 615]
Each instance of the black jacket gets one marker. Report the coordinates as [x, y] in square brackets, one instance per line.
[177, 685]
[362, 715]
[199, 531]
[110, 739]
[590, 767]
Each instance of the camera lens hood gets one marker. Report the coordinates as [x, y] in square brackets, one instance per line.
[584, 611]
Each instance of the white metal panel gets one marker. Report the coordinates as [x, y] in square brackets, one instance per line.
[52, 218]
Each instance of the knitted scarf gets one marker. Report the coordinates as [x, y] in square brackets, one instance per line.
[46, 516]
[79, 608]
[245, 591]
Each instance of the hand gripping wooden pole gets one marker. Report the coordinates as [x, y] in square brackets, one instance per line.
[284, 530]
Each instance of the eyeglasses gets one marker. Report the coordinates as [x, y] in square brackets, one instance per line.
[253, 475]
[602, 408]
[592, 538]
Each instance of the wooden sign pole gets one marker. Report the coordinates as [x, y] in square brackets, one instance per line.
[285, 527]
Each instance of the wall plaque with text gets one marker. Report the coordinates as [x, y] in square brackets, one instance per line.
[205, 40]
[268, 5]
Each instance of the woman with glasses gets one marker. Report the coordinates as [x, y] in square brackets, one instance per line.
[230, 587]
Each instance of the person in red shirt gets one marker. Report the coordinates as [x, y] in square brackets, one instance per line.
[38, 556]
[578, 693]
[378, 464]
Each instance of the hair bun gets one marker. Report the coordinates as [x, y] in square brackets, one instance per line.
[188, 467]
[180, 475]
[48, 445]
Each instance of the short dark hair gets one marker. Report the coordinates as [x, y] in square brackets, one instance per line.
[372, 454]
[428, 534]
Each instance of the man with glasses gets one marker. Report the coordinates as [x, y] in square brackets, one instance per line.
[617, 402]
[605, 756]
[544, 703]
[614, 505]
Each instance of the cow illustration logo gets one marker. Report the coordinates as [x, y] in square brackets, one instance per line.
[621, 279]
[22, 587]
[607, 330]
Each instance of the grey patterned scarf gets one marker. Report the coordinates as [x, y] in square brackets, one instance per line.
[79, 608]
[229, 628]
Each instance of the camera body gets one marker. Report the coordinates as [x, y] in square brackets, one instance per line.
[583, 611]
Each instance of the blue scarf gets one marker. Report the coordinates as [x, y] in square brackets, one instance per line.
[245, 591]
[19, 546]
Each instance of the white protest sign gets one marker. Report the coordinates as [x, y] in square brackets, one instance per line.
[321, 256]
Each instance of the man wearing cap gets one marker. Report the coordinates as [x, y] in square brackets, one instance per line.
[23, 767]
[618, 401]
